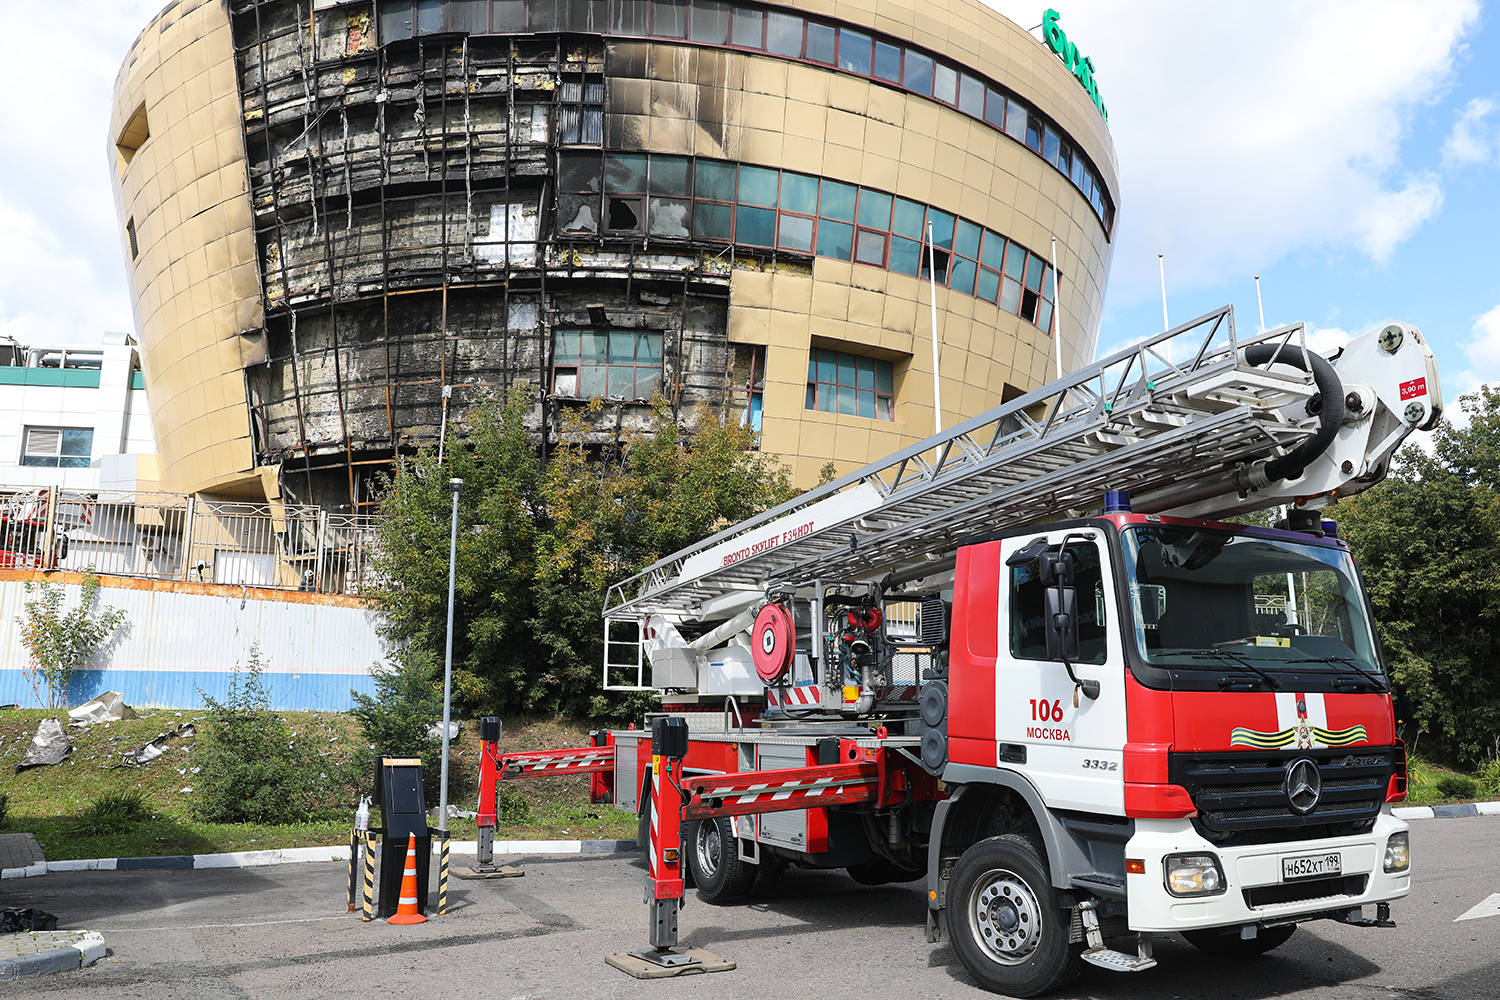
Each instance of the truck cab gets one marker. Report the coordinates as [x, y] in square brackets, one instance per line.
[1210, 748]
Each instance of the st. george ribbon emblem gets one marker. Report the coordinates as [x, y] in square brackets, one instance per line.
[1304, 719]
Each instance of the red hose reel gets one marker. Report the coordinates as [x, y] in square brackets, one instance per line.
[773, 641]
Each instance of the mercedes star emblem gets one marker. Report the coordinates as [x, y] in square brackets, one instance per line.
[1303, 786]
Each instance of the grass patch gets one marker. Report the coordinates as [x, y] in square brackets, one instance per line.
[56, 803]
[1430, 784]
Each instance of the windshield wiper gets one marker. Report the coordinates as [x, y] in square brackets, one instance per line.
[1375, 679]
[1237, 660]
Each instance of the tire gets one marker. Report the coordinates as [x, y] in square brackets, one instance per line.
[714, 862]
[1227, 943]
[883, 871]
[1005, 921]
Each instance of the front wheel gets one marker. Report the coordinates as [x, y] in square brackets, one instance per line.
[1227, 943]
[1007, 925]
[713, 860]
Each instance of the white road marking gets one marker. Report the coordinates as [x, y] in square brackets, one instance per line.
[1487, 907]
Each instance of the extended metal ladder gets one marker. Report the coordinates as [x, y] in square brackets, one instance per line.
[1177, 409]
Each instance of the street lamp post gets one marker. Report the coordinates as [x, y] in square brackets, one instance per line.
[455, 485]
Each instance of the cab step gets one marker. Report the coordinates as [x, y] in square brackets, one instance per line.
[1108, 958]
[1118, 961]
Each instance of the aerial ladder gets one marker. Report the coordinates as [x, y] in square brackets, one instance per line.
[768, 635]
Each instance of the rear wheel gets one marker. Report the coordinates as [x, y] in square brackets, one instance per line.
[1007, 925]
[1225, 942]
[714, 861]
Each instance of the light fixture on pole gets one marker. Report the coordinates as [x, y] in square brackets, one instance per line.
[455, 485]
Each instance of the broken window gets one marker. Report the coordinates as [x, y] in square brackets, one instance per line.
[578, 187]
[618, 364]
[671, 210]
[747, 382]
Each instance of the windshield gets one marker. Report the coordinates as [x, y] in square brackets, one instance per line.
[1218, 600]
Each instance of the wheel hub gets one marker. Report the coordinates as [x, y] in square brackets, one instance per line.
[1006, 914]
[708, 848]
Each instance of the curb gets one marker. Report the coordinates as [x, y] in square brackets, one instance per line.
[86, 948]
[298, 855]
[1448, 812]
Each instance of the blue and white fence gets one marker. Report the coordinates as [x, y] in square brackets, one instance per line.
[182, 640]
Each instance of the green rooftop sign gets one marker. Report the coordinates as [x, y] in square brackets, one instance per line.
[1081, 67]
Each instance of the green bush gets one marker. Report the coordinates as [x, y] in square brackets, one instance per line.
[408, 699]
[1489, 775]
[113, 812]
[4, 810]
[254, 770]
[1457, 786]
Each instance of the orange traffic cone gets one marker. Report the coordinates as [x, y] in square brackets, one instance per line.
[406, 910]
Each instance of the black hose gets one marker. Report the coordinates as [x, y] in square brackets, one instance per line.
[1331, 415]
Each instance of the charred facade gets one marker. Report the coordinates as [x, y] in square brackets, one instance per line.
[611, 199]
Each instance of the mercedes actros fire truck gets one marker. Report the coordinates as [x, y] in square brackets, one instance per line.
[1032, 663]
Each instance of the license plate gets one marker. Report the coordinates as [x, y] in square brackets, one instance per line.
[1311, 866]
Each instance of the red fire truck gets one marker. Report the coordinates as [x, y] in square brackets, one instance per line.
[1032, 663]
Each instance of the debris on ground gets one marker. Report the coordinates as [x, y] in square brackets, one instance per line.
[108, 707]
[435, 730]
[49, 746]
[14, 921]
[158, 746]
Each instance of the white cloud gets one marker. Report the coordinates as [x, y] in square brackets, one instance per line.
[1325, 340]
[1474, 138]
[61, 273]
[1389, 217]
[1246, 132]
[1484, 350]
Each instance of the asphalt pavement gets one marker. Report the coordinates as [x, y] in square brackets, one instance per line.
[285, 933]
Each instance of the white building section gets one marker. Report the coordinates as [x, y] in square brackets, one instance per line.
[75, 417]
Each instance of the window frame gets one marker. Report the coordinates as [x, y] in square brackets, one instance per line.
[573, 365]
[39, 460]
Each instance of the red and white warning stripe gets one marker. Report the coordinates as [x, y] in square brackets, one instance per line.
[805, 695]
[773, 791]
[899, 693]
[554, 761]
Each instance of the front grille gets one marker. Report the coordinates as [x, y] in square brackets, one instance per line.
[1313, 888]
[1240, 799]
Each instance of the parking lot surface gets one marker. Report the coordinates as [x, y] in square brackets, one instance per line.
[285, 933]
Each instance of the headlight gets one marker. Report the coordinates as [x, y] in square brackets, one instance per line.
[1398, 852]
[1193, 875]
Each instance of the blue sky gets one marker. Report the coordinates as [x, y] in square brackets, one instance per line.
[1348, 152]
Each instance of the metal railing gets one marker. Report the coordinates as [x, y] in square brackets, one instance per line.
[170, 536]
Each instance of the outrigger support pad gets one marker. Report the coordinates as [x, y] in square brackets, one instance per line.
[669, 744]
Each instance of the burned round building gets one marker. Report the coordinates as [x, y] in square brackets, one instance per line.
[347, 222]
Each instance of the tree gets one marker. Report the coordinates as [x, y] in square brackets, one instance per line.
[59, 641]
[540, 541]
[1428, 542]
